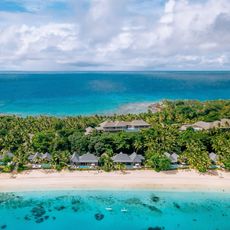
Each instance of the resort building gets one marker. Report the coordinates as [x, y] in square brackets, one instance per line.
[122, 158]
[40, 160]
[133, 160]
[137, 159]
[116, 126]
[87, 159]
[88, 130]
[74, 159]
[138, 124]
[46, 157]
[35, 157]
[202, 125]
[172, 157]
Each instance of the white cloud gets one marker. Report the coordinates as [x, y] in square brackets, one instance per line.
[112, 34]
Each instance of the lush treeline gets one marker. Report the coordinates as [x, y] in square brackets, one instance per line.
[63, 136]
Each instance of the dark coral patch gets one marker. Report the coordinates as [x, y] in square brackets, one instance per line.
[4, 226]
[176, 205]
[27, 217]
[99, 216]
[75, 201]
[39, 220]
[152, 208]
[75, 209]
[38, 211]
[156, 228]
[155, 199]
[60, 208]
[46, 217]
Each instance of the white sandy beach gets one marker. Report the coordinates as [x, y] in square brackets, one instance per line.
[146, 179]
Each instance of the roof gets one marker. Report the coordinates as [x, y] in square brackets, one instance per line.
[88, 158]
[7, 154]
[46, 156]
[88, 130]
[121, 158]
[172, 157]
[225, 122]
[202, 124]
[35, 156]
[109, 124]
[75, 158]
[136, 158]
[213, 156]
[139, 123]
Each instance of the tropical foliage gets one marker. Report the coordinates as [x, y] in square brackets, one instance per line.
[61, 136]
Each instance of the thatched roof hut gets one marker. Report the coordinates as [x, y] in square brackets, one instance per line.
[121, 158]
[136, 158]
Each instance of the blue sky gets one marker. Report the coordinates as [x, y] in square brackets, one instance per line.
[114, 34]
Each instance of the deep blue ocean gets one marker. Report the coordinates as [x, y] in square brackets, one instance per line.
[84, 93]
[128, 210]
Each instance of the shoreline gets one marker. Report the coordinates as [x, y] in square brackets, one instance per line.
[123, 109]
[182, 180]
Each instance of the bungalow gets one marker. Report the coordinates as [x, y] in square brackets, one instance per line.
[172, 157]
[74, 159]
[35, 157]
[133, 160]
[46, 157]
[202, 125]
[35, 160]
[122, 158]
[137, 159]
[88, 159]
[88, 130]
[113, 126]
[116, 126]
[138, 124]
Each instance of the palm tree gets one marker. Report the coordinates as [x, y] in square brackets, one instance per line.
[197, 156]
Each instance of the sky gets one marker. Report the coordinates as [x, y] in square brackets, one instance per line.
[69, 35]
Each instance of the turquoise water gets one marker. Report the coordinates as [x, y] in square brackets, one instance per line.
[87, 210]
[63, 93]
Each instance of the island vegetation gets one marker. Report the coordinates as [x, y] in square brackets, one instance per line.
[61, 136]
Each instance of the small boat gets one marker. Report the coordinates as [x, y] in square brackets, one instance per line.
[124, 210]
[108, 209]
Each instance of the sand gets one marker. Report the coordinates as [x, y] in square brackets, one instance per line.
[35, 180]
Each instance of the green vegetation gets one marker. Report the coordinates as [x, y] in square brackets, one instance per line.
[63, 136]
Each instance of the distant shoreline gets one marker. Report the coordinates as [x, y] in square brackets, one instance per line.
[128, 108]
[41, 180]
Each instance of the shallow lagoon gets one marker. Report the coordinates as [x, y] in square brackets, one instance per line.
[130, 210]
